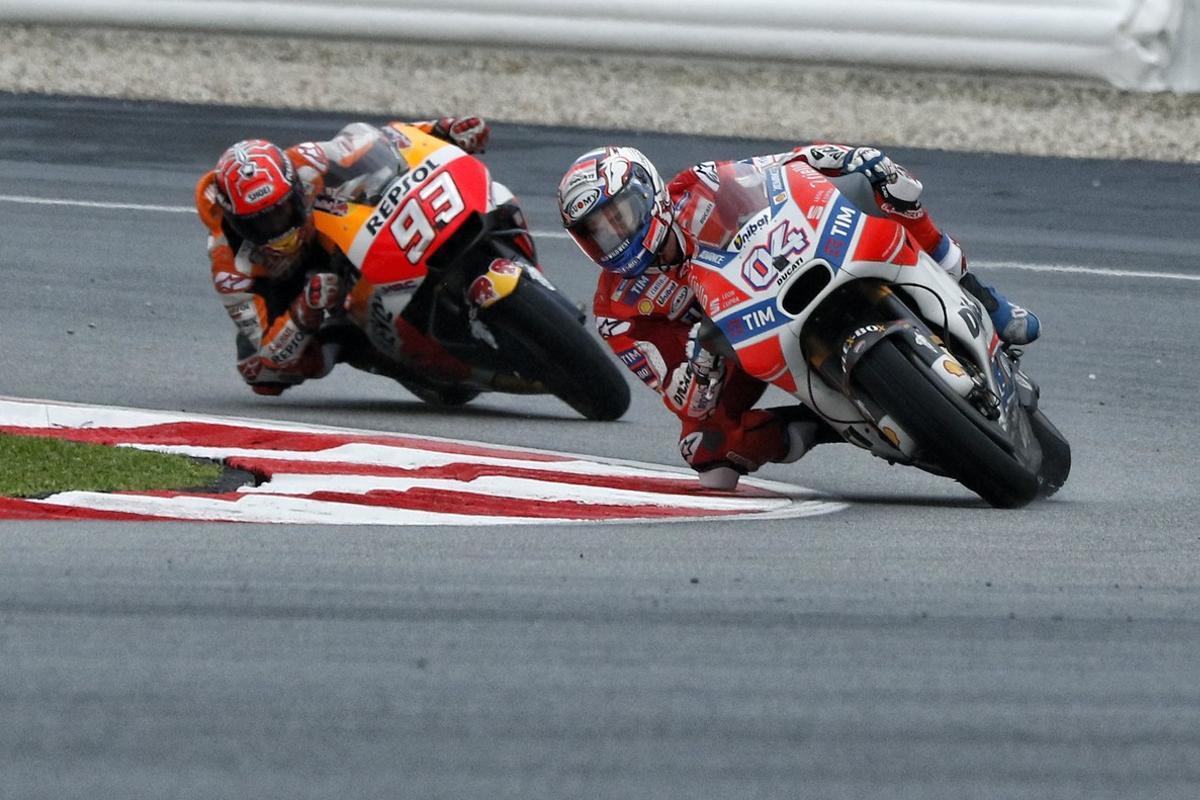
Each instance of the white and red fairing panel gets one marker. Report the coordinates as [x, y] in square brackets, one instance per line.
[805, 223]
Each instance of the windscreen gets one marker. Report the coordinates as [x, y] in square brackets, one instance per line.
[740, 197]
[363, 161]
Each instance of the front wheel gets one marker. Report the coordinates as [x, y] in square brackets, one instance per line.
[1056, 454]
[950, 434]
[545, 342]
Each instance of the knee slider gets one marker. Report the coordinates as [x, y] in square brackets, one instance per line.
[703, 450]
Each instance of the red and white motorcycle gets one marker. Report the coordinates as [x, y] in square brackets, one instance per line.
[444, 292]
[845, 312]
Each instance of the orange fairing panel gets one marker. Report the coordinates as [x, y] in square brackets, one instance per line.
[339, 231]
[419, 145]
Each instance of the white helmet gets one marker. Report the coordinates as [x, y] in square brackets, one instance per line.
[615, 205]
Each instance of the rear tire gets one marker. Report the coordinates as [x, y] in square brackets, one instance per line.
[545, 342]
[442, 396]
[944, 429]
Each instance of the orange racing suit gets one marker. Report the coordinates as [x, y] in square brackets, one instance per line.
[274, 348]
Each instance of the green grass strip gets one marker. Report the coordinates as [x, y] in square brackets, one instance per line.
[33, 466]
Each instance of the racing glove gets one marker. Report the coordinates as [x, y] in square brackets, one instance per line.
[871, 164]
[899, 190]
[694, 390]
[322, 293]
[469, 133]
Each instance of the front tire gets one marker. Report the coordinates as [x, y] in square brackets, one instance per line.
[545, 342]
[950, 434]
[1056, 454]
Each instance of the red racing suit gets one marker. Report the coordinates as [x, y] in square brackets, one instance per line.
[276, 347]
[648, 321]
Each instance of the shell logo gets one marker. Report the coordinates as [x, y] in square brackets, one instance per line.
[954, 368]
[891, 436]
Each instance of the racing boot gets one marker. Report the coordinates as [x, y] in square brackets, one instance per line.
[1014, 324]
[805, 430]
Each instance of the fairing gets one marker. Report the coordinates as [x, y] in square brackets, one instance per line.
[795, 240]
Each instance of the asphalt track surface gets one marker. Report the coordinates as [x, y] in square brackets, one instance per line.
[916, 645]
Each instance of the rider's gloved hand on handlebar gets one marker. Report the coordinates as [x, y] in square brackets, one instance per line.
[324, 290]
[872, 165]
[469, 133]
[899, 190]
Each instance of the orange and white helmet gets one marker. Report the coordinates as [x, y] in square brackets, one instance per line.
[261, 194]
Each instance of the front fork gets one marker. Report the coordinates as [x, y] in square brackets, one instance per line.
[843, 331]
[866, 313]
[501, 280]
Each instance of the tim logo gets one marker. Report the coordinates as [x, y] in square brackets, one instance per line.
[632, 356]
[840, 228]
[759, 318]
[746, 323]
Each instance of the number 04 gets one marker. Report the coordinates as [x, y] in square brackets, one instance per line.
[439, 201]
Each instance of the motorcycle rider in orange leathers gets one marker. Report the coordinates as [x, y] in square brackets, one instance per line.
[275, 282]
[643, 231]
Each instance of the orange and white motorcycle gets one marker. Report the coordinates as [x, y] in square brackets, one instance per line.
[445, 294]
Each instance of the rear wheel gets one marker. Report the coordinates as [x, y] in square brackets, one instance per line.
[448, 395]
[541, 336]
[951, 433]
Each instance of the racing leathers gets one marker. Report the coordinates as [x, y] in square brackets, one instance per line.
[652, 322]
[277, 304]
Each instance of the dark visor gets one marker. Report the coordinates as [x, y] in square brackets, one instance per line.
[266, 225]
[610, 229]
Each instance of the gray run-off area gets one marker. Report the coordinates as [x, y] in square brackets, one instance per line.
[758, 98]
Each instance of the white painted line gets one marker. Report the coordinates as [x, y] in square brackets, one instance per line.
[58, 201]
[557, 234]
[1072, 268]
[401, 456]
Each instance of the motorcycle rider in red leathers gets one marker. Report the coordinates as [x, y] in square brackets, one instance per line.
[642, 233]
[276, 283]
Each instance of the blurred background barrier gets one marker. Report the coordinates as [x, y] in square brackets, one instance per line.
[1147, 45]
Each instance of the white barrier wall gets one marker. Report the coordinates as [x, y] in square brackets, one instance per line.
[1137, 44]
